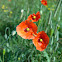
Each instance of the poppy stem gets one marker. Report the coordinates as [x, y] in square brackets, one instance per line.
[58, 5]
[49, 21]
[50, 17]
[34, 34]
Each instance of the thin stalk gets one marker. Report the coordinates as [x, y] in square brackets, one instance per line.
[3, 57]
[50, 15]
[58, 5]
[49, 20]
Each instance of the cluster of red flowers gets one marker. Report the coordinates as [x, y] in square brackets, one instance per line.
[28, 30]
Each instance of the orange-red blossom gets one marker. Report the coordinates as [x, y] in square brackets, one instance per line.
[41, 41]
[44, 2]
[26, 29]
[34, 17]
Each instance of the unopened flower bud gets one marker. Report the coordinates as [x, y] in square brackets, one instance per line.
[5, 36]
[58, 26]
[41, 12]
[13, 33]
[3, 51]
[22, 10]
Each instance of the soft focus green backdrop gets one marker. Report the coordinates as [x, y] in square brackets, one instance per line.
[13, 48]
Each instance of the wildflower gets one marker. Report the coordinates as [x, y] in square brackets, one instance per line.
[34, 17]
[26, 29]
[3, 6]
[18, 58]
[10, 12]
[41, 41]
[5, 10]
[48, 8]
[9, 0]
[44, 2]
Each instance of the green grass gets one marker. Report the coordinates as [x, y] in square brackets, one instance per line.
[18, 49]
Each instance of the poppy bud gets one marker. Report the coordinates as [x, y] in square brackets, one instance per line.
[51, 32]
[13, 33]
[3, 51]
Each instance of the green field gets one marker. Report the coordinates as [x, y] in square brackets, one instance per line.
[14, 48]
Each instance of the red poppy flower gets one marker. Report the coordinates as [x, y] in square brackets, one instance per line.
[41, 41]
[26, 29]
[9, 0]
[44, 2]
[34, 17]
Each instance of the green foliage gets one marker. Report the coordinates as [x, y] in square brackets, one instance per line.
[13, 48]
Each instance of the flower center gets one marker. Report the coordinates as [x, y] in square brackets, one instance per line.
[26, 30]
[41, 40]
[43, 2]
[34, 17]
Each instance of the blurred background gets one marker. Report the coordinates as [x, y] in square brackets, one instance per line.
[13, 48]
